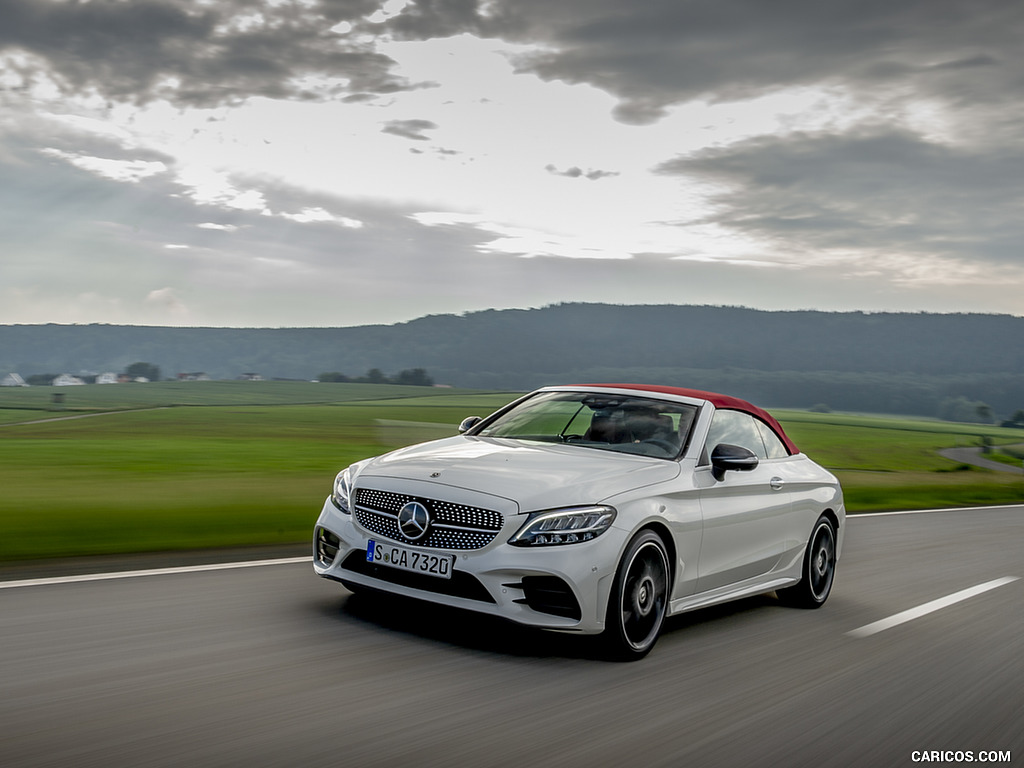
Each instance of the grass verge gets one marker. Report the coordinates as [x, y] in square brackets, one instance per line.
[229, 464]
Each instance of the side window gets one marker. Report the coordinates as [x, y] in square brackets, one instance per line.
[735, 428]
[774, 447]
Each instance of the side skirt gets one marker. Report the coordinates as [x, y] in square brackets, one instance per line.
[705, 599]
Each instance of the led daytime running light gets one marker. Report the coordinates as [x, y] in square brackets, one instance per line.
[564, 526]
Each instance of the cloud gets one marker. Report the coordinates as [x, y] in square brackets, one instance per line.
[409, 129]
[524, 242]
[318, 214]
[887, 195]
[211, 187]
[118, 170]
[650, 55]
[659, 53]
[575, 172]
[237, 158]
[193, 53]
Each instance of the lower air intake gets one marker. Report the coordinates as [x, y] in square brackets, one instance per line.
[461, 584]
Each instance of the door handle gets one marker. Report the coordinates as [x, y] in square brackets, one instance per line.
[776, 483]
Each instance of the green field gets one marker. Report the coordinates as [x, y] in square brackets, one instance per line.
[171, 466]
[889, 463]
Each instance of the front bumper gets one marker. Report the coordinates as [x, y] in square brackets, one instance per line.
[552, 587]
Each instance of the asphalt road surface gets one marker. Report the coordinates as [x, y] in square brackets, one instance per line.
[272, 666]
[975, 457]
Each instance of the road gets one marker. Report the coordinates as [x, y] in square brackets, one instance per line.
[271, 666]
[975, 457]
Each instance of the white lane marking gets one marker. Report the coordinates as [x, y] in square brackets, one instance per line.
[151, 572]
[943, 602]
[994, 508]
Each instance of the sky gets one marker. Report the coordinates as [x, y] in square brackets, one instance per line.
[293, 163]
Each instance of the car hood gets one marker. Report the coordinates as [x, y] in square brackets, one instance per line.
[534, 475]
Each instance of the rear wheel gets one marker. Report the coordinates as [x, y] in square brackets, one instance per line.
[639, 598]
[819, 569]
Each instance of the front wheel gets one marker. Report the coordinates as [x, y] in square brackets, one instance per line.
[819, 569]
[639, 598]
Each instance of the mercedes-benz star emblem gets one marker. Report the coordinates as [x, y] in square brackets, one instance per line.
[413, 520]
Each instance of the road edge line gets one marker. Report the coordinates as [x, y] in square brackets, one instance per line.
[85, 577]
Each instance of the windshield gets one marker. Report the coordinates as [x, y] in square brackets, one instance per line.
[622, 423]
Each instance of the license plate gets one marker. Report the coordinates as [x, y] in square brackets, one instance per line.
[405, 559]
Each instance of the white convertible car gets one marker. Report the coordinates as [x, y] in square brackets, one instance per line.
[593, 509]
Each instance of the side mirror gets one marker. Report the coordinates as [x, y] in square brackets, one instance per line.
[468, 423]
[726, 457]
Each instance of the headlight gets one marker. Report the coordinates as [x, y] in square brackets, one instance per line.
[342, 491]
[564, 526]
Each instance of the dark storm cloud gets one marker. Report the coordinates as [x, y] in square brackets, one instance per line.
[884, 190]
[657, 53]
[191, 53]
[649, 54]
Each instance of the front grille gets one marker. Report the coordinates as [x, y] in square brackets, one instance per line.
[461, 584]
[452, 526]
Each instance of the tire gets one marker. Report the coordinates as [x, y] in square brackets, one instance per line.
[819, 569]
[639, 598]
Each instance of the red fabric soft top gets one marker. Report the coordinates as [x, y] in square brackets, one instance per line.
[727, 402]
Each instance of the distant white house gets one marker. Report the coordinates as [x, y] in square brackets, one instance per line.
[107, 378]
[67, 380]
[12, 380]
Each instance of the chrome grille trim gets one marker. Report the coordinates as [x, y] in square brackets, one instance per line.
[462, 528]
[453, 526]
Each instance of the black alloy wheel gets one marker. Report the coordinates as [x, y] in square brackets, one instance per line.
[639, 599]
[819, 568]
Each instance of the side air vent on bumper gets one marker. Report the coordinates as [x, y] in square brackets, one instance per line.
[549, 594]
[326, 547]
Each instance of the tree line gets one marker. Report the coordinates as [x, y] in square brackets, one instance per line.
[413, 377]
[904, 363]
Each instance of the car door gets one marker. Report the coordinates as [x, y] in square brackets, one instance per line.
[747, 514]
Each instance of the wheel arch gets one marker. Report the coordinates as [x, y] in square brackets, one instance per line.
[663, 532]
[832, 518]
